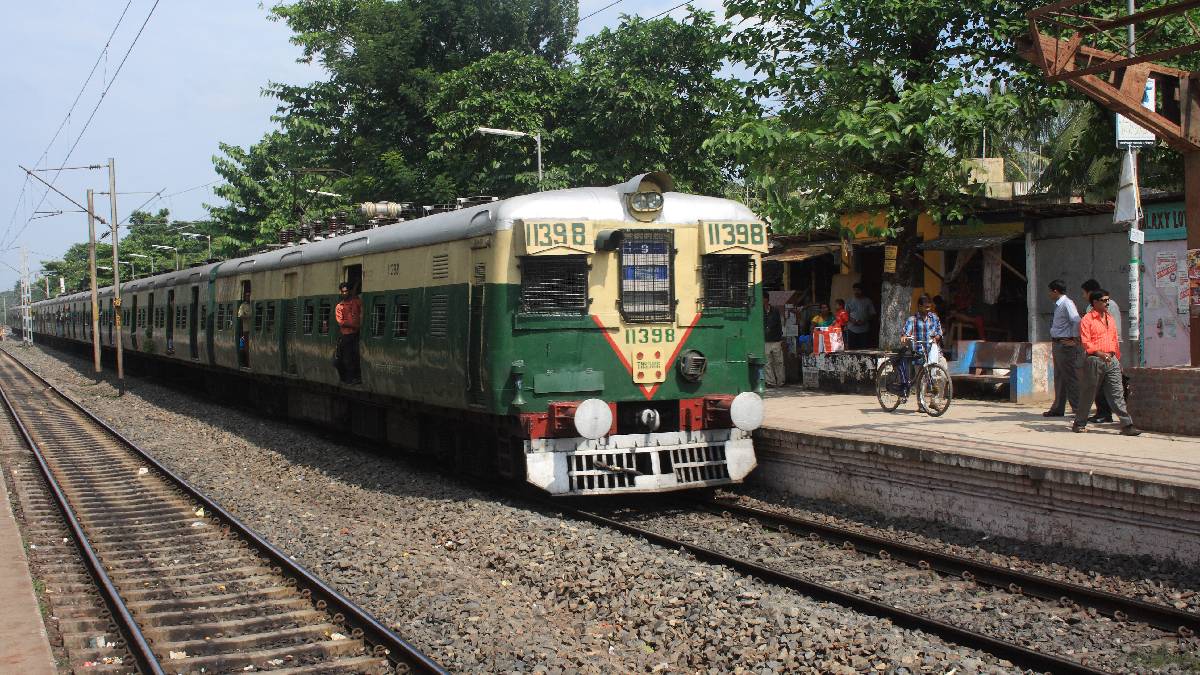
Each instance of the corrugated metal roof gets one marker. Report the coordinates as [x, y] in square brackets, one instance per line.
[965, 243]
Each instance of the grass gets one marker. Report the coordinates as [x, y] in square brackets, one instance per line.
[1162, 657]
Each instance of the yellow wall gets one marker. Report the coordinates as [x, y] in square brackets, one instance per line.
[865, 225]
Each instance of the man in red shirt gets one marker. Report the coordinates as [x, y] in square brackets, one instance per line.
[348, 315]
[1102, 366]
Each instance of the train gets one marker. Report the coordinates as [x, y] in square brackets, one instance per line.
[589, 341]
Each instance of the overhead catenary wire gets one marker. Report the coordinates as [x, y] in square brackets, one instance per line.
[91, 116]
[70, 111]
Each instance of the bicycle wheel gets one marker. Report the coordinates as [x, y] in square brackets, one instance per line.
[887, 386]
[935, 390]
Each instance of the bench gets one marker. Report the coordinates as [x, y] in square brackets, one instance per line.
[1024, 367]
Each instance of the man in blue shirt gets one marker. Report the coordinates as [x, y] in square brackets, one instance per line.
[1064, 331]
[923, 327]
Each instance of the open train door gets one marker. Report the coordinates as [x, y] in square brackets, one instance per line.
[291, 288]
[194, 324]
[475, 342]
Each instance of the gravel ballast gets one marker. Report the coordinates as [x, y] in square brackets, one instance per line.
[485, 585]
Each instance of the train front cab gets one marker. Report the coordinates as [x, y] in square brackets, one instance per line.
[636, 346]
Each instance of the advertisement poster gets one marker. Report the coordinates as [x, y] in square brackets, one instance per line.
[1166, 269]
[1193, 262]
[1185, 296]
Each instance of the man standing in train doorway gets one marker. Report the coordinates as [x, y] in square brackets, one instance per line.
[245, 313]
[349, 319]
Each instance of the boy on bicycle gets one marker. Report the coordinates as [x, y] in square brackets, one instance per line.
[922, 328]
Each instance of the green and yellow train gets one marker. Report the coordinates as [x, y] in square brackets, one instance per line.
[589, 340]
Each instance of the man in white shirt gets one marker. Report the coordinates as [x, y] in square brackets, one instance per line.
[1064, 332]
[861, 310]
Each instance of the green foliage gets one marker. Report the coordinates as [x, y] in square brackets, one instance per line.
[411, 81]
[873, 97]
[146, 230]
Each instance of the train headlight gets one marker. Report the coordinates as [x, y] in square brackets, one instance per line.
[646, 201]
[593, 419]
[644, 194]
[747, 411]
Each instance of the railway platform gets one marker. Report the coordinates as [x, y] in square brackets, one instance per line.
[24, 646]
[997, 467]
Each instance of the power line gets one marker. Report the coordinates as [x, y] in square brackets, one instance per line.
[92, 116]
[63, 124]
[615, 2]
[669, 10]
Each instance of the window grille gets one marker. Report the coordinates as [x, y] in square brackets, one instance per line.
[728, 281]
[441, 266]
[400, 318]
[258, 317]
[439, 315]
[647, 284]
[204, 317]
[324, 326]
[141, 318]
[554, 285]
[269, 319]
[306, 320]
[378, 317]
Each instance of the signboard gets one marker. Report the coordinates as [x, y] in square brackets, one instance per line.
[1193, 263]
[1129, 133]
[1166, 269]
[889, 259]
[723, 236]
[542, 236]
[1164, 221]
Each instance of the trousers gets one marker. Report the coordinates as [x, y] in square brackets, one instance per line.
[1066, 378]
[346, 357]
[1097, 373]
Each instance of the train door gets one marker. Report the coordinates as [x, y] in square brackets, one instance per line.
[194, 324]
[287, 362]
[475, 341]
[134, 324]
[170, 321]
[245, 315]
[150, 320]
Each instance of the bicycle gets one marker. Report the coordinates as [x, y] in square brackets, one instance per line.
[894, 382]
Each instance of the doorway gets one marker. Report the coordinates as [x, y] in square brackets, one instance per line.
[169, 321]
[245, 314]
[286, 363]
[194, 324]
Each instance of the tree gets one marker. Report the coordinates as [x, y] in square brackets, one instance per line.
[873, 95]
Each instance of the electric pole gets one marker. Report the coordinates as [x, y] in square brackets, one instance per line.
[115, 225]
[91, 207]
[26, 298]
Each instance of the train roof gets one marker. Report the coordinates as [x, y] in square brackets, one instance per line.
[587, 203]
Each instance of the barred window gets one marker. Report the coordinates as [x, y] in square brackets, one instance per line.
[439, 315]
[141, 318]
[378, 317]
[269, 319]
[258, 317]
[324, 326]
[306, 320]
[728, 281]
[400, 317]
[554, 285]
[647, 288]
[204, 317]
[220, 317]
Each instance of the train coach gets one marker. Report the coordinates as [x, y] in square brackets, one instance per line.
[587, 340]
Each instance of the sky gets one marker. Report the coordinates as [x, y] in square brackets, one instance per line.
[192, 79]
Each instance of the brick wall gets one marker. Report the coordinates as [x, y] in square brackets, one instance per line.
[1166, 400]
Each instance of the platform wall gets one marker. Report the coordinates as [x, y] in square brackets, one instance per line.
[1166, 400]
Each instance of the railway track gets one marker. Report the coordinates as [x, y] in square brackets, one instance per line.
[914, 587]
[169, 581]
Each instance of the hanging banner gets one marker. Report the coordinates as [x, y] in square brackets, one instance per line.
[1166, 269]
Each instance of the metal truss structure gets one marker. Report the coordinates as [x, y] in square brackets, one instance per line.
[1079, 49]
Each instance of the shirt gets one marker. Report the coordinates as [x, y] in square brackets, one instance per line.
[1065, 323]
[843, 318]
[349, 315]
[860, 309]
[1098, 332]
[923, 330]
[244, 311]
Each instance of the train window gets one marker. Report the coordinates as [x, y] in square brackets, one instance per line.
[728, 281]
[269, 319]
[439, 315]
[647, 291]
[306, 319]
[220, 317]
[141, 318]
[554, 285]
[324, 318]
[204, 318]
[378, 317]
[400, 317]
[258, 317]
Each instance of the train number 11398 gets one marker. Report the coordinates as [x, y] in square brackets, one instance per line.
[720, 235]
[548, 235]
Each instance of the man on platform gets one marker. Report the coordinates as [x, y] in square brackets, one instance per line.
[1098, 333]
[349, 319]
[1103, 413]
[773, 335]
[861, 311]
[1064, 332]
